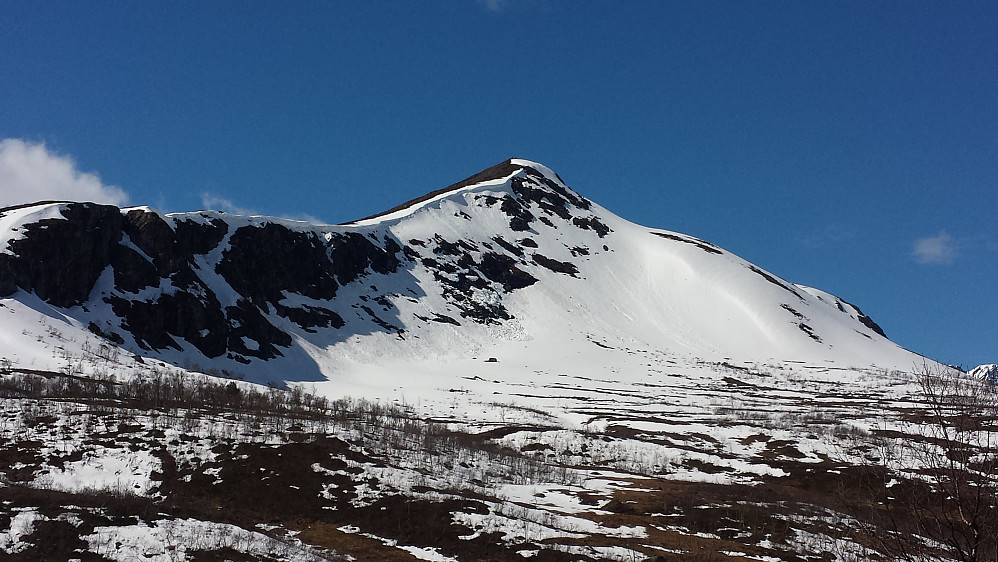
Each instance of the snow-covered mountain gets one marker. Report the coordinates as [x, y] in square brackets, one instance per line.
[510, 264]
[531, 374]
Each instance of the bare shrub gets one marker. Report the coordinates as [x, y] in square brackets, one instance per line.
[940, 490]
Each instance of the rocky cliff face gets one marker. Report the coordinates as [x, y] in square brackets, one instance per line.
[164, 273]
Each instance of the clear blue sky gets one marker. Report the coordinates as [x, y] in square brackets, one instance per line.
[851, 146]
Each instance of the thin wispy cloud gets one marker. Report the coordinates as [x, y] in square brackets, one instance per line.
[504, 6]
[830, 235]
[218, 203]
[495, 6]
[30, 172]
[940, 249]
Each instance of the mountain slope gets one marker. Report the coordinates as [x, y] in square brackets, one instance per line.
[509, 264]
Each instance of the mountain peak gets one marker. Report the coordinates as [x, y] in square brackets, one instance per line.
[544, 179]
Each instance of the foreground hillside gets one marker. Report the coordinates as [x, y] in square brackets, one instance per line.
[173, 466]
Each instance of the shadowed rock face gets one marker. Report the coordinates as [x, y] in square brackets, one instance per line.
[263, 262]
[171, 249]
[159, 294]
[154, 324]
[60, 260]
[866, 320]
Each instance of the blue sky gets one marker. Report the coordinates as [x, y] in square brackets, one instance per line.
[850, 146]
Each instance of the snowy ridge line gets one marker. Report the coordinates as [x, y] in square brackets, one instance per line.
[237, 221]
[35, 204]
[495, 175]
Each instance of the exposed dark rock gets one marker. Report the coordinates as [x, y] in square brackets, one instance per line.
[592, 223]
[132, 271]
[195, 238]
[352, 254]
[484, 313]
[502, 269]
[450, 248]
[246, 321]
[377, 320]
[459, 286]
[553, 209]
[387, 261]
[151, 336]
[110, 336]
[270, 265]
[61, 259]
[866, 320]
[793, 311]
[410, 254]
[519, 216]
[555, 265]
[511, 248]
[445, 319]
[809, 331]
[171, 251]
[574, 199]
[487, 200]
[498, 171]
[538, 189]
[383, 300]
[705, 246]
[775, 281]
[309, 317]
[551, 201]
[154, 236]
[436, 266]
[263, 262]
[199, 320]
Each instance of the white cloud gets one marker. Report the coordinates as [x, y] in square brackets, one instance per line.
[504, 6]
[30, 172]
[218, 203]
[936, 250]
[830, 235]
[494, 5]
[214, 202]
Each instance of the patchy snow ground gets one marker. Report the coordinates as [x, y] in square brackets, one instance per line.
[170, 540]
[538, 484]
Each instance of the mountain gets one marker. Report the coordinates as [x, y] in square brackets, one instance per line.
[510, 264]
[987, 371]
[516, 373]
